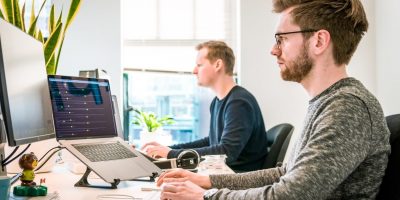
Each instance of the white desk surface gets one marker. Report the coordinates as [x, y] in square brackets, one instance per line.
[62, 181]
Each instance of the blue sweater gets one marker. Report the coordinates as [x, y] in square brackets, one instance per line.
[236, 129]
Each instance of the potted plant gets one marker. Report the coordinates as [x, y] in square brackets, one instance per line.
[152, 126]
[11, 11]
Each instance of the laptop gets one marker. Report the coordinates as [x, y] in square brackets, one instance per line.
[85, 125]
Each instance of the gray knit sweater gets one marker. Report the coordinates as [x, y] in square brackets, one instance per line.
[341, 153]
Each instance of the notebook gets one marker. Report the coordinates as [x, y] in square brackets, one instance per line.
[85, 125]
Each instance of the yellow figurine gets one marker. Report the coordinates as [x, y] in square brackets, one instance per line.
[28, 162]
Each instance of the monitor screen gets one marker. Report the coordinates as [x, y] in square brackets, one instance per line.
[24, 97]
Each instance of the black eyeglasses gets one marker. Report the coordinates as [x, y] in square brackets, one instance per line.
[278, 37]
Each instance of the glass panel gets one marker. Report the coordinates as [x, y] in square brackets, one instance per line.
[169, 58]
[165, 93]
[176, 19]
[139, 19]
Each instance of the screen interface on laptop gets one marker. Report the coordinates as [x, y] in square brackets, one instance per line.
[82, 107]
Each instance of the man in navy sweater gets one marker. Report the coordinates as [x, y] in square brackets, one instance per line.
[237, 126]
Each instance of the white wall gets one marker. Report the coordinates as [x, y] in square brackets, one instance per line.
[387, 55]
[94, 41]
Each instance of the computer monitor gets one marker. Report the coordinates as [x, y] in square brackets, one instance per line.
[24, 97]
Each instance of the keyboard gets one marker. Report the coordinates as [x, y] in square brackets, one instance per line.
[104, 151]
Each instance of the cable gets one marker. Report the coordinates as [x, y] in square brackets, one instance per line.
[11, 154]
[49, 151]
[23, 151]
[48, 158]
[15, 178]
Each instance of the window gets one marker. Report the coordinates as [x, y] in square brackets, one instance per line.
[159, 39]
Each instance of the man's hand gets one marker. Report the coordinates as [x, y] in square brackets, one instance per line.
[156, 150]
[181, 191]
[181, 175]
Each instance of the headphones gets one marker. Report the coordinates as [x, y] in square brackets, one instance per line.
[187, 159]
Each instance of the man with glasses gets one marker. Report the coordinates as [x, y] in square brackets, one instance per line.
[342, 151]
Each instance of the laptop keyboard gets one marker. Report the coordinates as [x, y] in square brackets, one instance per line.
[104, 151]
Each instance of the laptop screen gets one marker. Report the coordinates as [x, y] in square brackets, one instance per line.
[82, 107]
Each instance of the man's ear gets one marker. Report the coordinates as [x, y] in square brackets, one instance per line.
[322, 41]
[219, 65]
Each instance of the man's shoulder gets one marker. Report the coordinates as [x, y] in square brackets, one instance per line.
[356, 92]
[240, 92]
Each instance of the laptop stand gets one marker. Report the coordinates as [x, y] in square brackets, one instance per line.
[83, 182]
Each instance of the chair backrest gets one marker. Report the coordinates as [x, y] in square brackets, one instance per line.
[390, 187]
[278, 138]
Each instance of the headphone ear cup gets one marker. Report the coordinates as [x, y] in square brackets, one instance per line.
[188, 159]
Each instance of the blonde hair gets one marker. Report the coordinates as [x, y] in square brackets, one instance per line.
[219, 50]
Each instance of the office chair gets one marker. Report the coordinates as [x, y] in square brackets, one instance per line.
[390, 187]
[278, 138]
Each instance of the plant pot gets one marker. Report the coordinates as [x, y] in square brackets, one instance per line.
[160, 136]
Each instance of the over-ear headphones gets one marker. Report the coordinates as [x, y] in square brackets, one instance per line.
[187, 159]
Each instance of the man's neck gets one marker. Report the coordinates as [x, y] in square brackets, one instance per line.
[321, 78]
[223, 86]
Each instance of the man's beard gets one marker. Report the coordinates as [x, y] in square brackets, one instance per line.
[299, 68]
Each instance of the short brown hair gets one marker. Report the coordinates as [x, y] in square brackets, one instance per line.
[345, 20]
[219, 50]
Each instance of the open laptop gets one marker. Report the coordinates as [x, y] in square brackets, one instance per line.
[84, 123]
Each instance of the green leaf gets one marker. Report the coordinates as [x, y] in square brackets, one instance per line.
[40, 36]
[32, 27]
[73, 9]
[51, 65]
[32, 17]
[51, 23]
[1, 14]
[17, 15]
[8, 10]
[50, 48]
[23, 16]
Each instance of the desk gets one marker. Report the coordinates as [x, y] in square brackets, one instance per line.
[62, 181]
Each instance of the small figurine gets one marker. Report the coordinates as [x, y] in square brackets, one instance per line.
[28, 187]
[28, 162]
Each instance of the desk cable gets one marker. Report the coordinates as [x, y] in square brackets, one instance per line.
[8, 160]
[54, 150]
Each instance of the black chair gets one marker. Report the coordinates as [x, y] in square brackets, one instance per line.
[390, 188]
[278, 138]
